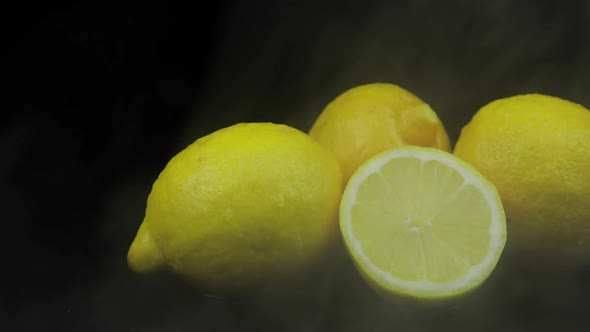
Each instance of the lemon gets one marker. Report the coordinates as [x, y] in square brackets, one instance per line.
[421, 223]
[239, 207]
[536, 150]
[371, 118]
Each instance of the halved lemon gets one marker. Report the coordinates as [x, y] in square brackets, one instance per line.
[420, 222]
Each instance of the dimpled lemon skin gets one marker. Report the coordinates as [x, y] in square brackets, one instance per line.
[372, 118]
[241, 206]
[536, 150]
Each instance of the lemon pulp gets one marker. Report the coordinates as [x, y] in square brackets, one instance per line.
[420, 222]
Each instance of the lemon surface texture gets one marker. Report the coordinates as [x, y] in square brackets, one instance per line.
[371, 118]
[241, 206]
[536, 150]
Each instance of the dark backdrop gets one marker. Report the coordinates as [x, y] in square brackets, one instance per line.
[106, 94]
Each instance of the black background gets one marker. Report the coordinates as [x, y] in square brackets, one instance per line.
[106, 94]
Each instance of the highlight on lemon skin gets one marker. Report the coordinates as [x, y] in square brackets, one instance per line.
[419, 222]
[247, 204]
[371, 118]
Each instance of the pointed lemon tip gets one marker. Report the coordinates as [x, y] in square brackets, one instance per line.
[144, 256]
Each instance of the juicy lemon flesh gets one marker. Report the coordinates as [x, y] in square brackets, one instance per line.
[419, 226]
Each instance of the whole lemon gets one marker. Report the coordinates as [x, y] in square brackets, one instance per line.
[372, 118]
[241, 206]
[536, 150]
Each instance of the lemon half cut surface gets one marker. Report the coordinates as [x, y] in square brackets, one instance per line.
[420, 222]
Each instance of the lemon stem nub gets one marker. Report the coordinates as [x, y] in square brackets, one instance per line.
[144, 256]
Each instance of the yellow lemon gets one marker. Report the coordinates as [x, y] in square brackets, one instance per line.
[536, 150]
[421, 222]
[371, 118]
[239, 207]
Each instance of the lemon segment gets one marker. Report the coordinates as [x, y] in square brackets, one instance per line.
[420, 222]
